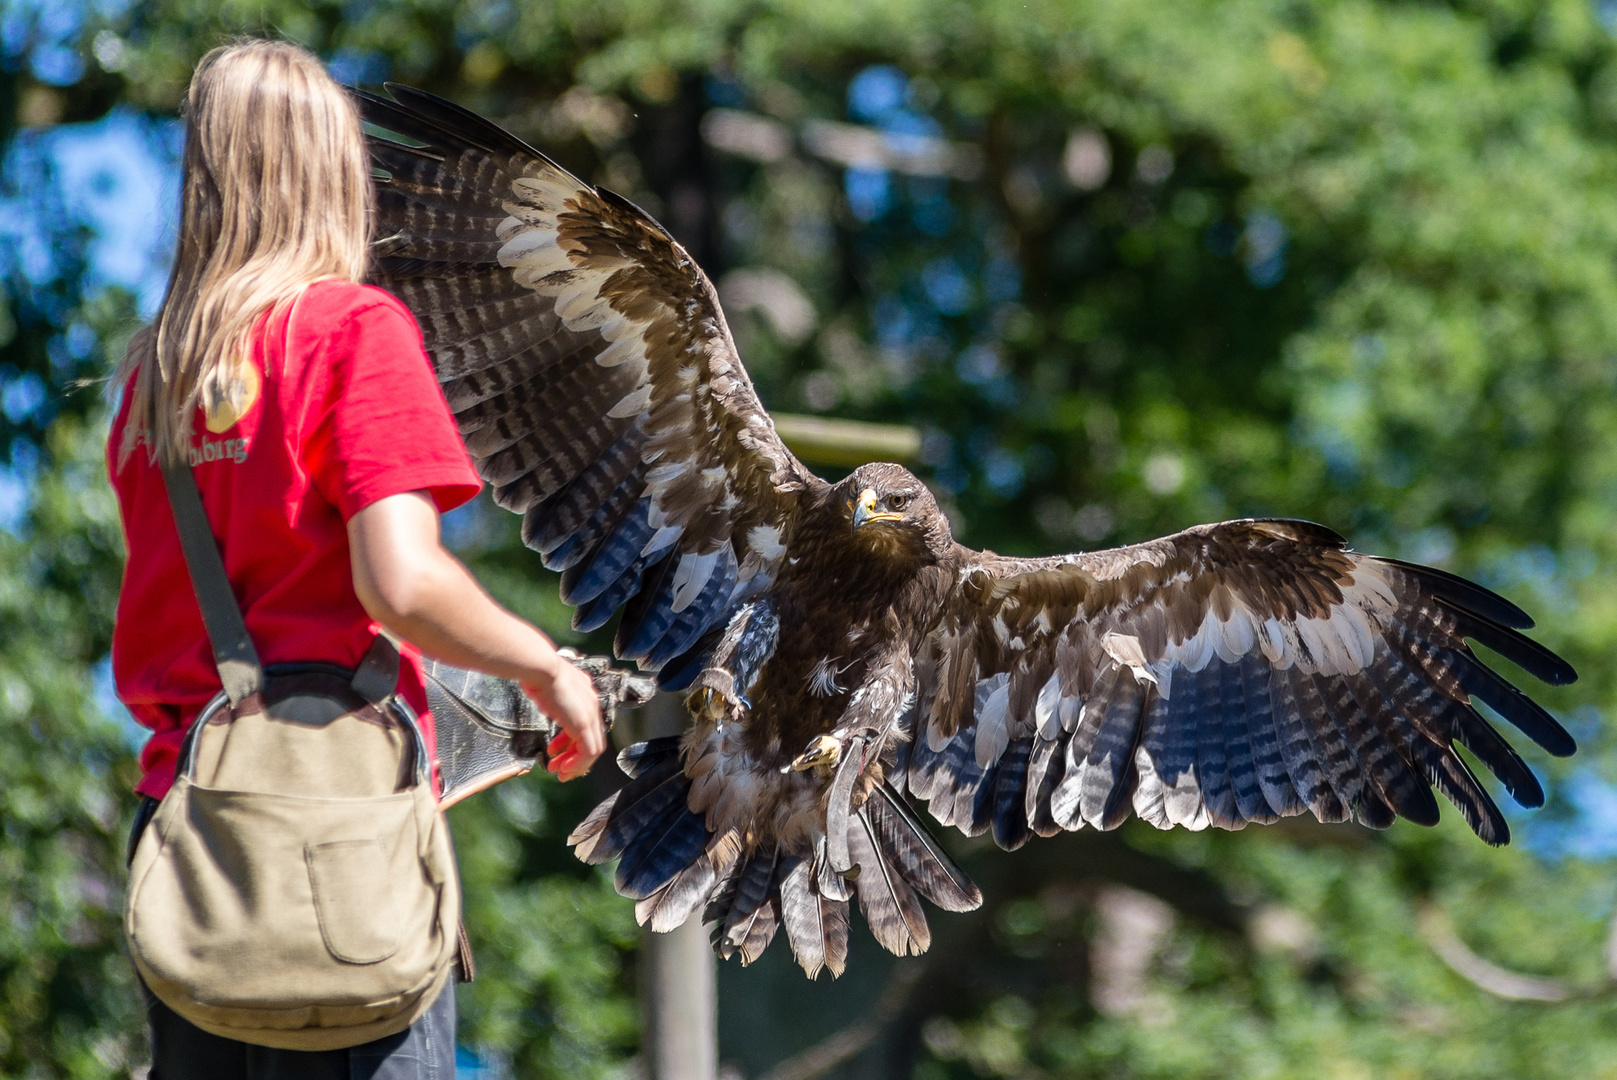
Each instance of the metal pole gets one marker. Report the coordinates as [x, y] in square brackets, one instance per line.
[678, 983]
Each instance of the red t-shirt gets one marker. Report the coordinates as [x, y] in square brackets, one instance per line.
[349, 413]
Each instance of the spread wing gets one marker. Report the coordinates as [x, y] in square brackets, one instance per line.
[1237, 672]
[594, 379]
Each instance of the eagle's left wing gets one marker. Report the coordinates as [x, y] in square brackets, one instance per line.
[596, 384]
[1230, 673]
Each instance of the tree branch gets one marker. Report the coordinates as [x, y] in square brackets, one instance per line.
[1485, 975]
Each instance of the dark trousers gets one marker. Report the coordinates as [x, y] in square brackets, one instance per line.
[182, 1051]
[423, 1051]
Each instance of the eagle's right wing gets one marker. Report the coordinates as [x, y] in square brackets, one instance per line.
[594, 379]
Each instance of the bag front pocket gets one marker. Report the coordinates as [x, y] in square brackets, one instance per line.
[359, 919]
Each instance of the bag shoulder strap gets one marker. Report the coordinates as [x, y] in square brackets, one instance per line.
[233, 652]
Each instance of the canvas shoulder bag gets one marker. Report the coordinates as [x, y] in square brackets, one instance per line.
[296, 888]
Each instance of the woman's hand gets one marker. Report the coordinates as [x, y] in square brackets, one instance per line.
[570, 699]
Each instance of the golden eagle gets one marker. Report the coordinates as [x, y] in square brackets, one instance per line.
[841, 651]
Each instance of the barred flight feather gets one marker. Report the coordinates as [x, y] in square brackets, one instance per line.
[889, 905]
[1336, 691]
[644, 800]
[912, 851]
[816, 925]
[561, 318]
[669, 907]
[746, 914]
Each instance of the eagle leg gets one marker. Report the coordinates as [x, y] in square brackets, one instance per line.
[822, 750]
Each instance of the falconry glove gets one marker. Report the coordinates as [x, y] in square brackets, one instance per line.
[489, 730]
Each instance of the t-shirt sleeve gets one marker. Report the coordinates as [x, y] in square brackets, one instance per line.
[386, 428]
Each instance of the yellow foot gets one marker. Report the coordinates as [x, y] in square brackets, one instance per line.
[822, 750]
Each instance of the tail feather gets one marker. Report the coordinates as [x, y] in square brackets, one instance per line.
[760, 929]
[643, 800]
[592, 827]
[663, 848]
[888, 904]
[746, 913]
[816, 925]
[669, 907]
[670, 864]
[912, 851]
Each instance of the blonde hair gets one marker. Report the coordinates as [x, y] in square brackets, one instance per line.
[276, 195]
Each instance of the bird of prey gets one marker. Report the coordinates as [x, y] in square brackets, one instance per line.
[842, 654]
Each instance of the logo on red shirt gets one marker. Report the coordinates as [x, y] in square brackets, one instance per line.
[234, 450]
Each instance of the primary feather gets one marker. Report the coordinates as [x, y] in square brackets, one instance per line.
[841, 648]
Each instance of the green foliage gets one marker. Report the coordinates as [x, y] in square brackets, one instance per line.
[1343, 259]
[69, 997]
[1335, 980]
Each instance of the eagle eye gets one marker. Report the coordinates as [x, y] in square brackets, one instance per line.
[898, 502]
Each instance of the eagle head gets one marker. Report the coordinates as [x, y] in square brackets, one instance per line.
[890, 510]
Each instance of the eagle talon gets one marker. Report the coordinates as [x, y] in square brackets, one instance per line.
[706, 704]
[822, 750]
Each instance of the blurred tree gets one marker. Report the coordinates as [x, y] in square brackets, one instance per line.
[69, 998]
[1129, 266]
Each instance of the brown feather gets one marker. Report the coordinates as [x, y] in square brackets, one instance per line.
[911, 851]
[669, 907]
[887, 902]
[816, 926]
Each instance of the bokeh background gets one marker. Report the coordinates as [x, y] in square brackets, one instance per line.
[1127, 267]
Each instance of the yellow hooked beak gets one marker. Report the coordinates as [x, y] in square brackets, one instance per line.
[864, 510]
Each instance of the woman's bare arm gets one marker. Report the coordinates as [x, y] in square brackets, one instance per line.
[411, 584]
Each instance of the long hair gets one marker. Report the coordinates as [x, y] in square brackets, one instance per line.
[276, 195]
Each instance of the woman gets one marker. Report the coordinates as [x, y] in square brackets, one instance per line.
[324, 452]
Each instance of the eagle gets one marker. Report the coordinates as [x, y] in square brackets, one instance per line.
[843, 656]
